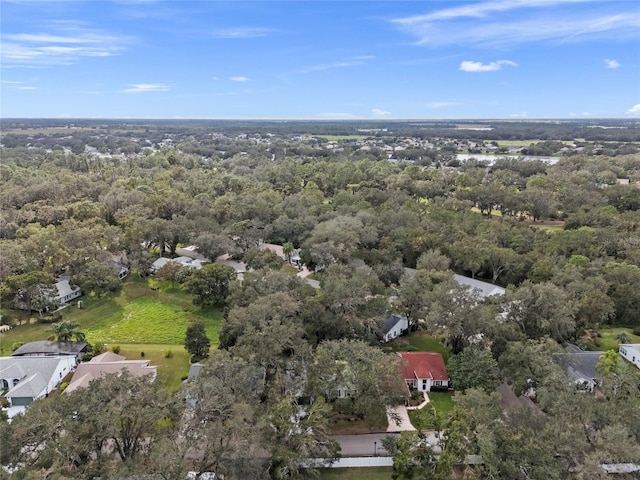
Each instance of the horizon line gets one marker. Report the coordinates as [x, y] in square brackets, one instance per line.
[337, 119]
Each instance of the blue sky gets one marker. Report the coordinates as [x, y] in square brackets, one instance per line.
[320, 60]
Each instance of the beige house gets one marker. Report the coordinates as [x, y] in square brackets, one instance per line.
[107, 363]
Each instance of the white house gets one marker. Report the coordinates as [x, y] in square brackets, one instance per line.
[195, 263]
[394, 326]
[424, 370]
[483, 289]
[631, 352]
[28, 378]
[66, 292]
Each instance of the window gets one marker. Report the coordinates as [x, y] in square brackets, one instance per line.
[437, 383]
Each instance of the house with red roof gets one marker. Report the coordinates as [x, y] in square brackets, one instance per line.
[424, 370]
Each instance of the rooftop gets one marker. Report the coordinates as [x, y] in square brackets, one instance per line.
[423, 365]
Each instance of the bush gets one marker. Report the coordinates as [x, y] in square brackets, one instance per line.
[63, 386]
[636, 330]
[168, 354]
[50, 318]
[142, 354]
[16, 345]
[116, 349]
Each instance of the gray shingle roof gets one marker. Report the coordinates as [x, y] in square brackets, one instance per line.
[48, 347]
[391, 321]
[579, 366]
[484, 289]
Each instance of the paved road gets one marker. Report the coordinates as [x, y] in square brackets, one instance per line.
[363, 445]
[360, 445]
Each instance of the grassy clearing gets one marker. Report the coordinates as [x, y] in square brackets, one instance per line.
[370, 473]
[145, 316]
[608, 340]
[171, 369]
[494, 213]
[142, 312]
[420, 342]
[551, 225]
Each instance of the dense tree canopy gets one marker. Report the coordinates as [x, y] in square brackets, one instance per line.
[562, 237]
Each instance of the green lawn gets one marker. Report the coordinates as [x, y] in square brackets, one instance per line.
[372, 473]
[442, 401]
[145, 316]
[608, 340]
[420, 342]
[170, 370]
[424, 419]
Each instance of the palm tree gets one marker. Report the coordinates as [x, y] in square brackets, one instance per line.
[287, 249]
[66, 331]
[608, 362]
[623, 337]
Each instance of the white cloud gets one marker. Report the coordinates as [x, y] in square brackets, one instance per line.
[635, 110]
[147, 87]
[15, 85]
[350, 62]
[442, 104]
[505, 22]
[470, 66]
[377, 112]
[239, 79]
[64, 47]
[612, 63]
[246, 32]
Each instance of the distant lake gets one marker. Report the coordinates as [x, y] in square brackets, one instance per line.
[492, 158]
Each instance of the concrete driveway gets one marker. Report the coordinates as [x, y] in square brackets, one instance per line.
[401, 422]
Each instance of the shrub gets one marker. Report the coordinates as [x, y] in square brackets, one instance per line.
[98, 348]
[142, 354]
[16, 345]
[63, 386]
[636, 330]
[168, 354]
[116, 349]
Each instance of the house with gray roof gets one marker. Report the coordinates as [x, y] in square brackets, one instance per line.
[49, 348]
[27, 378]
[66, 292]
[394, 326]
[580, 366]
[482, 289]
[188, 262]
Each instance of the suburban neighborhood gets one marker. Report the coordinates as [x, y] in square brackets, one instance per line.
[282, 301]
